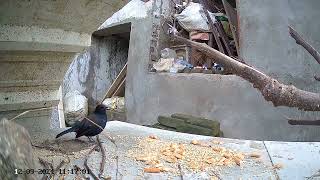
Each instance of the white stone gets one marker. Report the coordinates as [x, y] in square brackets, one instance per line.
[75, 106]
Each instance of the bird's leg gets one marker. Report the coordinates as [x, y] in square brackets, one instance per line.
[90, 139]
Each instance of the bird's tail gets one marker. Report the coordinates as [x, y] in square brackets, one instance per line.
[65, 132]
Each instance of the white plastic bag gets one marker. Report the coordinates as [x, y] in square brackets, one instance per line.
[163, 65]
[193, 18]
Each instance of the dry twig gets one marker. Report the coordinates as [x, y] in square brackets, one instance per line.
[299, 40]
[62, 163]
[103, 159]
[46, 165]
[86, 163]
[32, 110]
[180, 171]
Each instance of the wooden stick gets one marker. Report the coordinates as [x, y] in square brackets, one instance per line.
[62, 163]
[103, 160]
[212, 27]
[224, 38]
[32, 110]
[46, 165]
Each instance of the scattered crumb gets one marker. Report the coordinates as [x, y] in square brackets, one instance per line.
[278, 166]
[217, 142]
[164, 156]
[153, 137]
[214, 178]
[254, 155]
[194, 142]
[152, 170]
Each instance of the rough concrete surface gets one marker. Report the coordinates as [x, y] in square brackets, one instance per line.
[74, 15]
[15, 151]
[92, 72]
[127, 136]
[241, 110]
[38, 40]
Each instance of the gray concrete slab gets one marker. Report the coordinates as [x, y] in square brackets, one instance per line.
[127, 136]
[299, 159]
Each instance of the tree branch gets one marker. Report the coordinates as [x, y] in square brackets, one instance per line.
[292, 121]
[299, 40]
[272, 90]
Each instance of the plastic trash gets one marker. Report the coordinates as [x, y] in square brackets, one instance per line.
[168, 53]
[193, 18]
[217, 68]
[163, 65]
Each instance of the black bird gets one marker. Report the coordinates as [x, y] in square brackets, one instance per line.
[88, 128]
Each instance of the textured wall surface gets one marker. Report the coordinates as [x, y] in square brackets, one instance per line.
[93, 71]
[239, 107]
[38, 41]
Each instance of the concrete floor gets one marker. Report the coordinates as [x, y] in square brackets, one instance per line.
[299, 159]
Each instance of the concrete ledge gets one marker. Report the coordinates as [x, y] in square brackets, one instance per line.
[303, 155]
[33, 38]
[28, 99]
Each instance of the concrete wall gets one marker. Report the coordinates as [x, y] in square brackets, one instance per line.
[38, 41]
[239, 107]
[93, 71]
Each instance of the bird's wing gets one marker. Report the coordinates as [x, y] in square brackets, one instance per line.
[84, 132]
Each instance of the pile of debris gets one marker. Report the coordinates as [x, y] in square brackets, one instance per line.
[204, 22]
[189, 124]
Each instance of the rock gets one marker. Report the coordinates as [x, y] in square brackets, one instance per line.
[75, 106]
[15, 151]
[203, 122]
